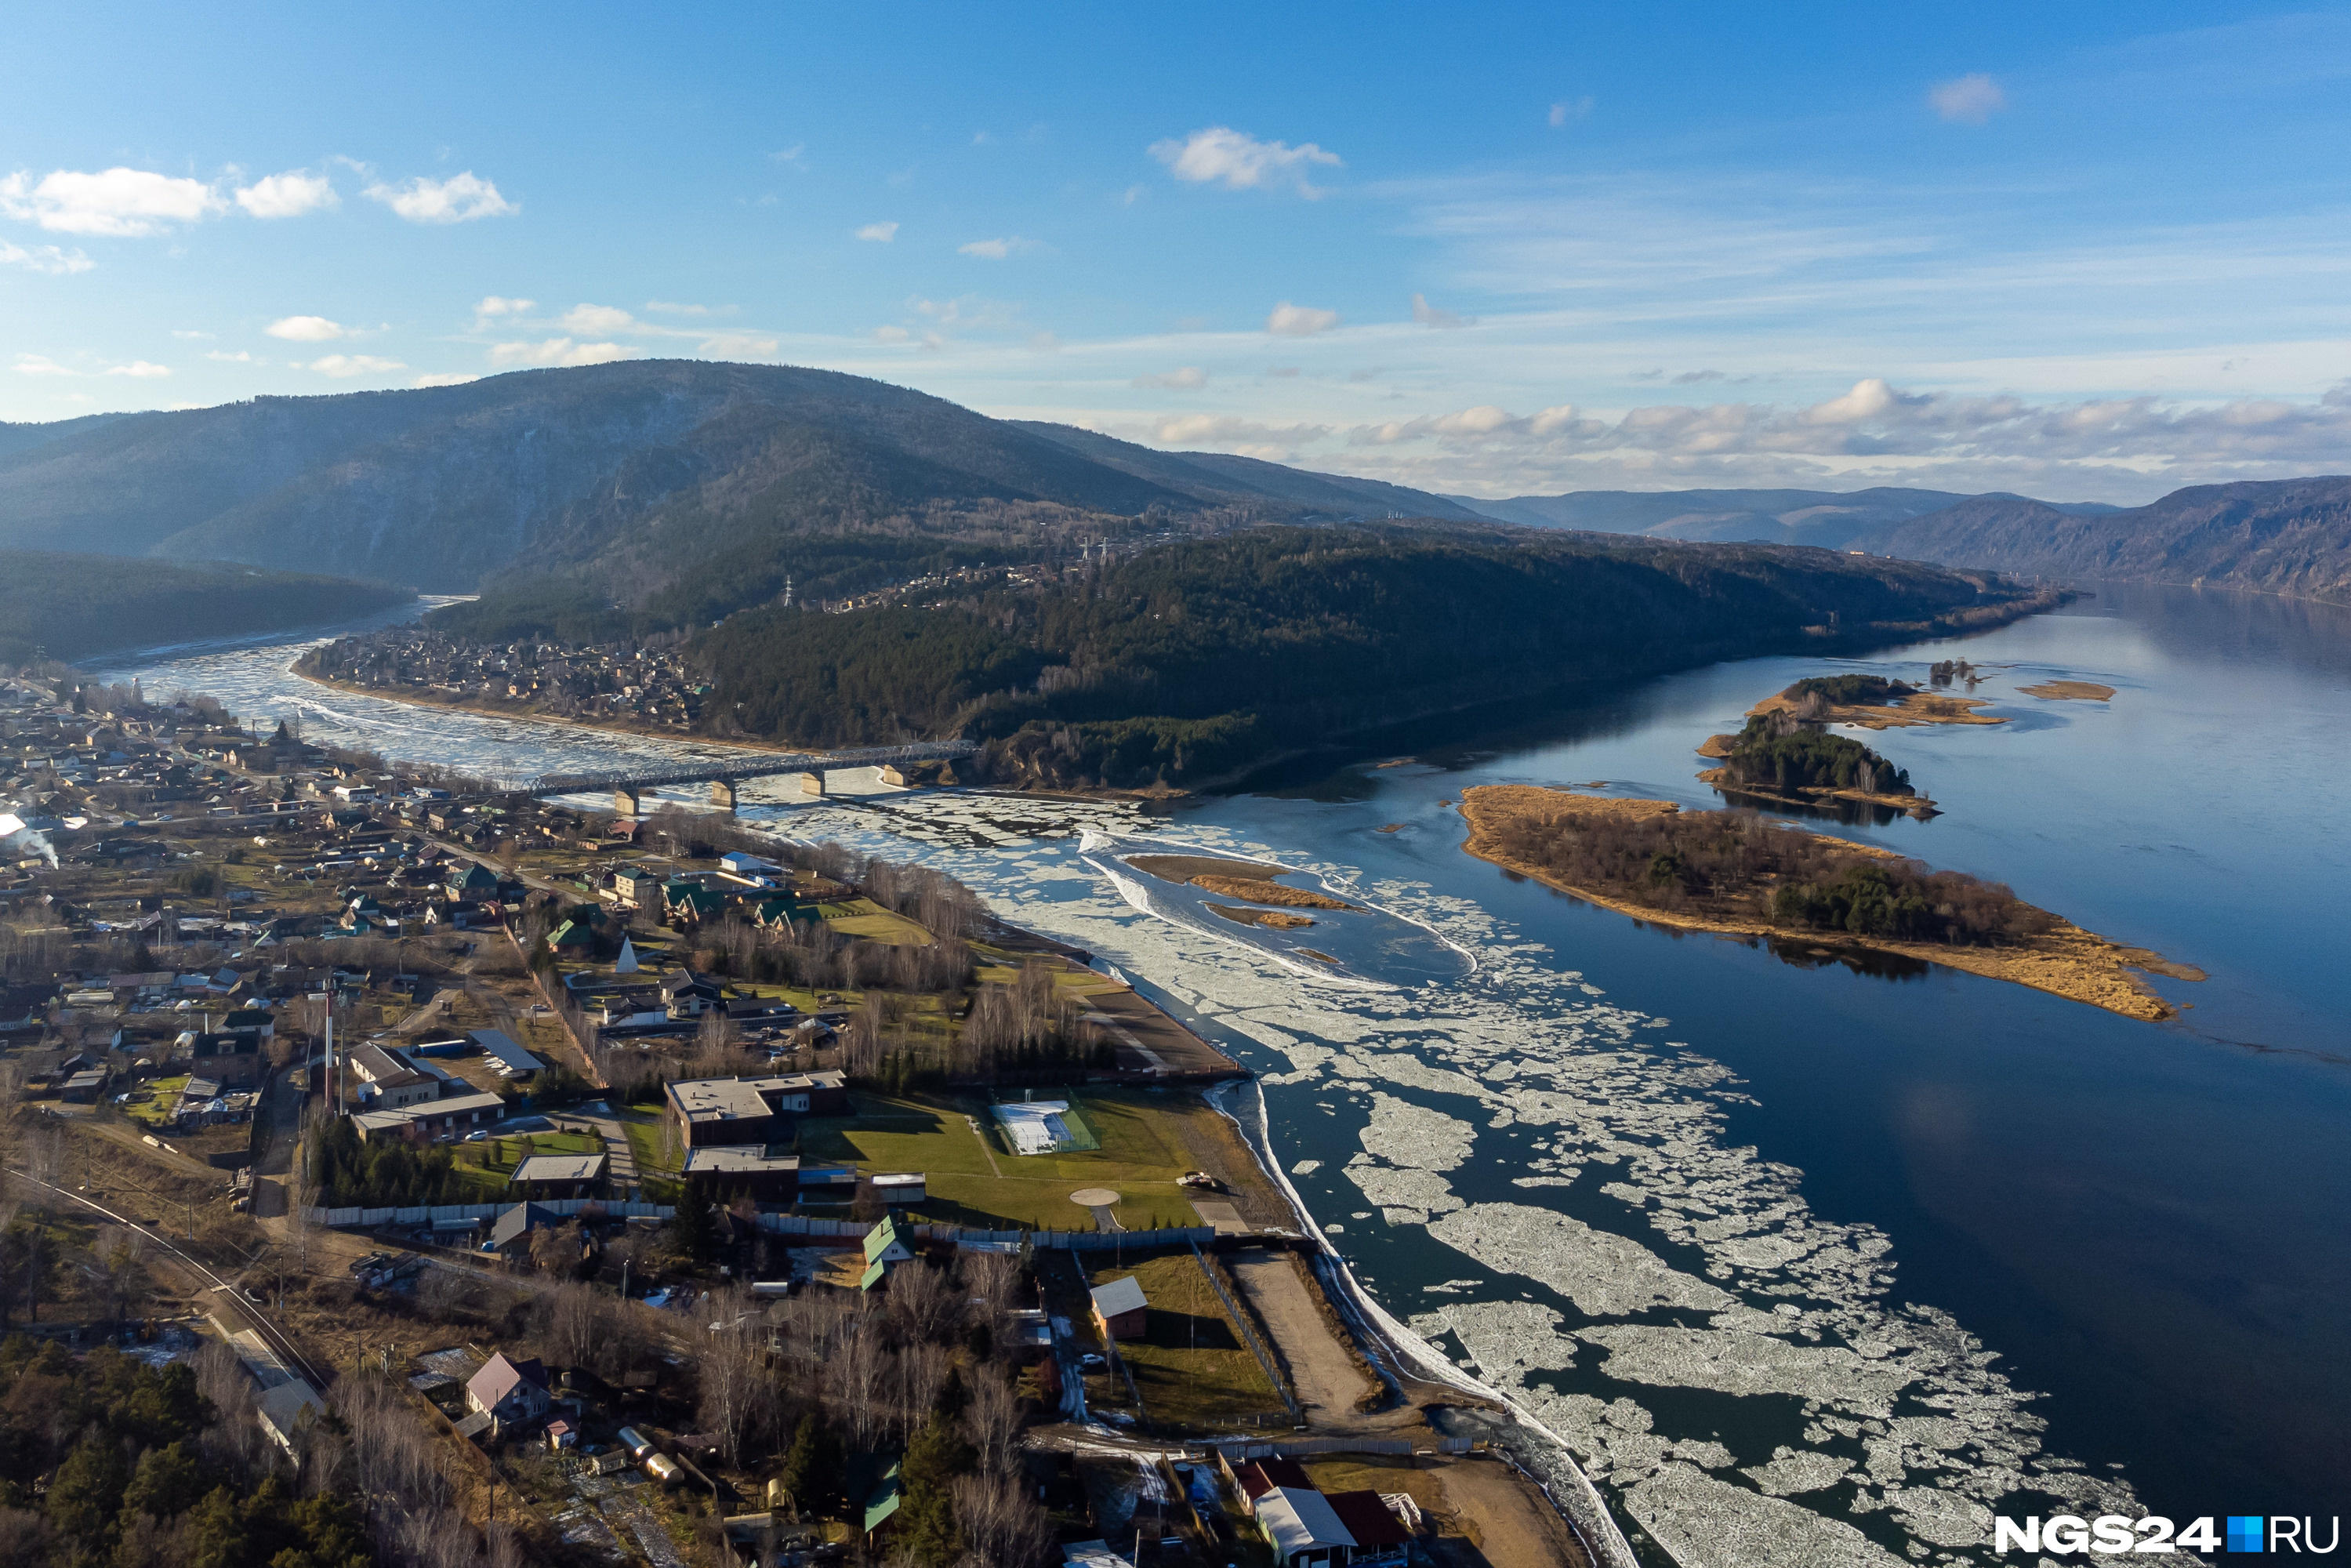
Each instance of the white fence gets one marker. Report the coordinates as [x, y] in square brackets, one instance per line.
[843, 1230]
[426, 1214]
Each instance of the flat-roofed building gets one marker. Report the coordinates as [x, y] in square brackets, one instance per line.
[559, 1176]
[713, 1111]
[452, 1117]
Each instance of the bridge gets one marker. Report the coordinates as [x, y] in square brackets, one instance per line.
[629, 786]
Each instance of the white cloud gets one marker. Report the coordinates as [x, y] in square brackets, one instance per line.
[493, 305]
[46, 258]
[306, 329]
[1273, 442]
[890, 334]
[343, 365]
[1224, 156]
[1290, 321]
[445, 379]
[790, 155]
[140, 368]
[1189, 378]
[737, 346]
[881, 232]
[119, 202]
[455, 200]
[1428, 315]
[192, 337]
[41, 365]
[1044, 343]
[1569, 109]
[240, 358]
[557, 351]
[598, 319]
[1133, 194]
[998, 249]
[287, 195]
[1971, 99]
[672, 308]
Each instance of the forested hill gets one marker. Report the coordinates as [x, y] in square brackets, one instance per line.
[630, 479]
[2289, 536]
[70, 607]
[1192, 661]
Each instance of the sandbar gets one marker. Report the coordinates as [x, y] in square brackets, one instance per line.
[2072, 691]
[1276, 919]
[1917, 708]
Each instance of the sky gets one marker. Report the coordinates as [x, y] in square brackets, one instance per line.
[2085, 253]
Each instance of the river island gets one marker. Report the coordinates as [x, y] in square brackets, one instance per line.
[1738, 874]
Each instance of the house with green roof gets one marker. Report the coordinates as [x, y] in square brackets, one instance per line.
[885, 1250]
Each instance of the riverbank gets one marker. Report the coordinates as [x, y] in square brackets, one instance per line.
[2063, 960]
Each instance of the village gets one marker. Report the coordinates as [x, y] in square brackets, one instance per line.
[678, 1195]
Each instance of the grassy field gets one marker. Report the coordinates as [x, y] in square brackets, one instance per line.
[974, 1181]
[864, 917]
[1193, 1371]
[498, 1156]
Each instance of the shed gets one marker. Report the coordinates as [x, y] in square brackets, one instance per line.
[1119, 1308]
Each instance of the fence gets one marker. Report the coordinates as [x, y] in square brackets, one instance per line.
[1239, 1451]
[844, 1231]
[426, 1213]
[1248, 1337]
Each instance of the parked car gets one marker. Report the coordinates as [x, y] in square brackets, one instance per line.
[1093, 1362]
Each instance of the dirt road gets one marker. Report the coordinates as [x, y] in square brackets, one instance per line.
[1325, 1375]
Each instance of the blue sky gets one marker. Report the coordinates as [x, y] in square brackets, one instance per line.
[2080, 252]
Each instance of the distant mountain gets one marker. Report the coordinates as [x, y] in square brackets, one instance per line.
[628, 474]
[2289, 536]
[1219, 477]
[1832, 519]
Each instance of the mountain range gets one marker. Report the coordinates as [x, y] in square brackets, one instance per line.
[681, 491]
[2290, 537]
[1832, 519]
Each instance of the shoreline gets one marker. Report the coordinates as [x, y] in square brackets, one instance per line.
[2069, 962]
[1399, 1352]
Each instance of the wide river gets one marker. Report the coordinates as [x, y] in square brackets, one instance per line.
[1806, 1264]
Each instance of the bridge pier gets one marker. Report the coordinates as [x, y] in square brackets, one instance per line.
[722, 793]
[626, 802]
[812, 783]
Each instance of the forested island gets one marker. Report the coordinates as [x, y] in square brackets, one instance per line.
[1739, 874]
[69, 607]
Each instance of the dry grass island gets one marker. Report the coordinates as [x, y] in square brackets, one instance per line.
[2069, 691]
[1245, 880]
[1738, 875]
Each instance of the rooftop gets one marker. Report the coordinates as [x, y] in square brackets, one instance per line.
[560, 1168]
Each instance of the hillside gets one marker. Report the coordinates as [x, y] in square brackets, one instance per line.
[2289, 536]
[624, 475]
[1197, 660]
[70, 607]
[1832, 519]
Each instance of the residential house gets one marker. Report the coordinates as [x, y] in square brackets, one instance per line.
[389, 1081]
[559, 1176]
[510, 1391]
[1120, 1309]
[711, 1110]
[510, 1236]
[885, 1250]
[1309, 1529]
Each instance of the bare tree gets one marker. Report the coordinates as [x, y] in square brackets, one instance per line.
[921, 1372]
[1005, 1526]
[994, 1416]
[736, 1396]
[574, 1321]
[923, 1302]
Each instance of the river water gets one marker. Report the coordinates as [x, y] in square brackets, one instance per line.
[1806, 1264]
